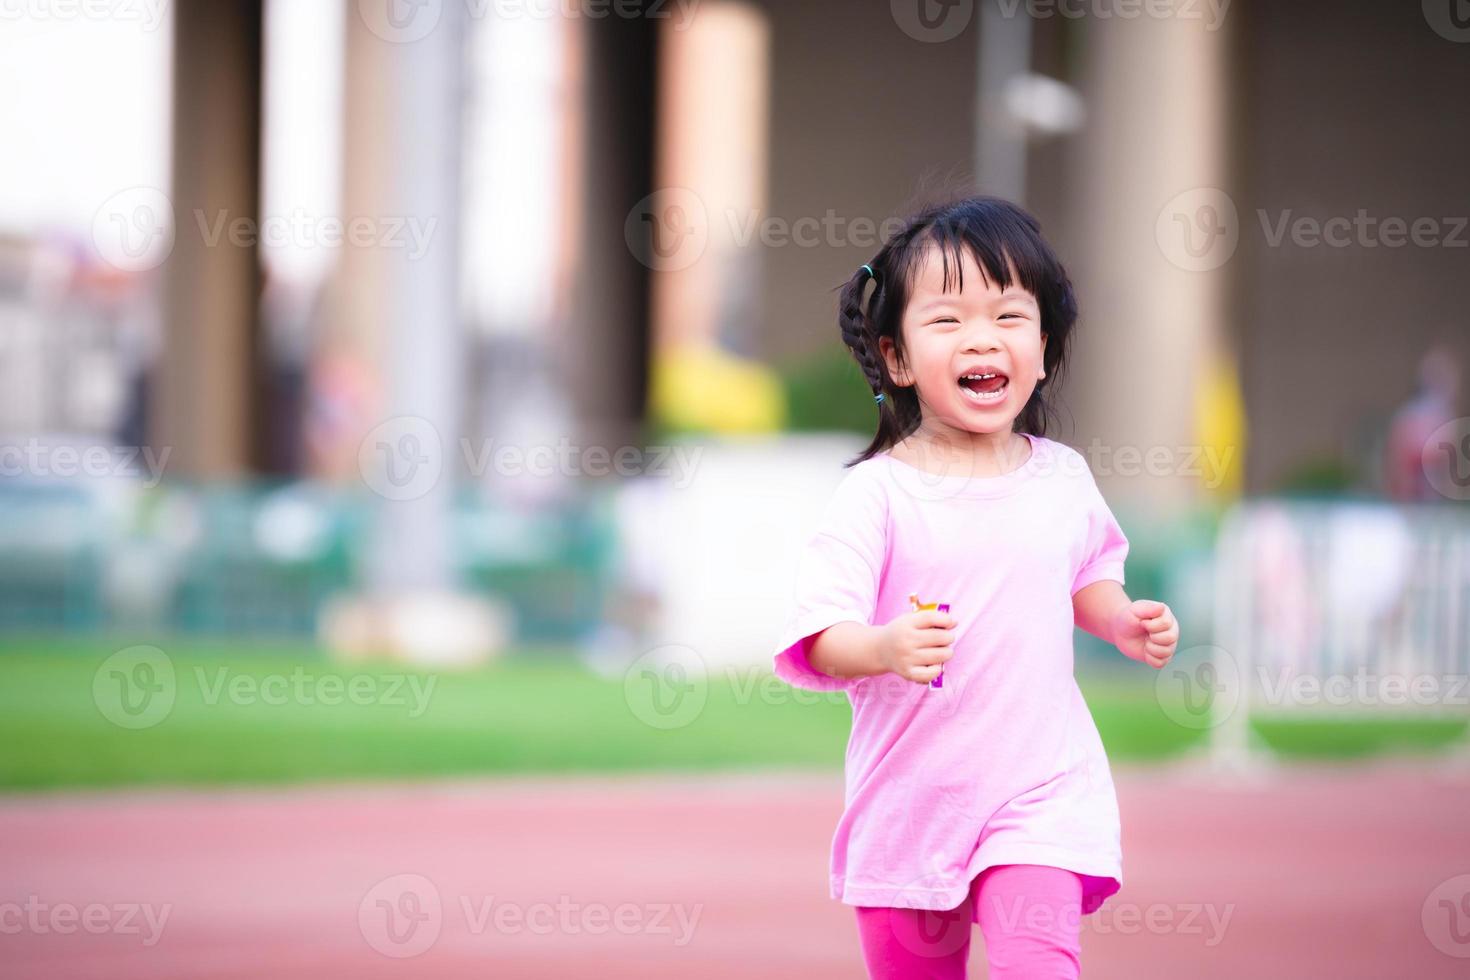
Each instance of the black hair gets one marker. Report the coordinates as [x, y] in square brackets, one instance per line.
[999, 236]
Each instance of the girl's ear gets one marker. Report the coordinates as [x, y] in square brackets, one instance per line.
[896, 371]
[1043, 357]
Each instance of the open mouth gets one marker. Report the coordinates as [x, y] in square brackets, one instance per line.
[984, 387]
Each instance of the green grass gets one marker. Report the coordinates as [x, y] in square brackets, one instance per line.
[526, 714]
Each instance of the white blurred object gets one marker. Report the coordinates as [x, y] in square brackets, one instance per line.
[290, 528]
[430, 628]
[1369, 551]
[729, 540]
[1044, 105]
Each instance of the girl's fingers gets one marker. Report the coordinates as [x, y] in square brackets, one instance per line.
[930, 656]
[923, 675]
[1158, 624]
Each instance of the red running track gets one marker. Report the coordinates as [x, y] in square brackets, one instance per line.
[1318, 872]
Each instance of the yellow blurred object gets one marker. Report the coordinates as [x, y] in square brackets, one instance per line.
[709, 390]
[1221, 429]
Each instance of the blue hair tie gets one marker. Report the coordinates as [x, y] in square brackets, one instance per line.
[878, 398]
[871, 273]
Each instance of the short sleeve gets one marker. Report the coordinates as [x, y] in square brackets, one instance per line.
[837, 578]
[1105, 545]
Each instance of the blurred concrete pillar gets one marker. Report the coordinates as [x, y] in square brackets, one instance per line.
[403, 132]
[206, 380]
[393, 356]
[1155, 236]
[1000, 138]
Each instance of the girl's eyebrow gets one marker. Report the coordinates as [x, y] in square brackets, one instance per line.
[953, 299]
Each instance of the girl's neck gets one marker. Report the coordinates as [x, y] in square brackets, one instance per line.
[951, 450]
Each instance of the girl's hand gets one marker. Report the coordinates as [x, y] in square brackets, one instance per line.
[1146, 630]
[915, 645]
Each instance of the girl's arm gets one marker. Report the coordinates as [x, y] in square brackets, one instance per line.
[1143, 629]
[848, 650]
[1095, 606]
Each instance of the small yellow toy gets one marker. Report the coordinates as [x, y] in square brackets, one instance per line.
[920, 607]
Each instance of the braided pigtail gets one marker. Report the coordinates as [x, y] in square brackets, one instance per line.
[860, 340]
[858, 321]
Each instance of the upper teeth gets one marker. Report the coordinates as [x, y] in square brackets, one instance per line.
[977, 377]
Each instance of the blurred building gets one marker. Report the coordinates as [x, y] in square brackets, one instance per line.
[347, 234]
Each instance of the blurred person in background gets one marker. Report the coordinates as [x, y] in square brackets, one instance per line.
[1410, 458]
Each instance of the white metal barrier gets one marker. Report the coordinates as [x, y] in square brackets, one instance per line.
[1339, 609]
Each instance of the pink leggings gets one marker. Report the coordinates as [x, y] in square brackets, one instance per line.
[1030, 915]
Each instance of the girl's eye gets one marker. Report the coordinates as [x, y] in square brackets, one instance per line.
[946, 319]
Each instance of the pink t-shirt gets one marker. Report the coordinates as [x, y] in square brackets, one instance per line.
[1003, 763]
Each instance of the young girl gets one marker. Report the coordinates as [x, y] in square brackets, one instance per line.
[984, 796]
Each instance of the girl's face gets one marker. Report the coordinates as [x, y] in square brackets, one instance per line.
[975, 355]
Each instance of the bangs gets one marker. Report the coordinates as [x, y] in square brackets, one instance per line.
[1002, 242]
